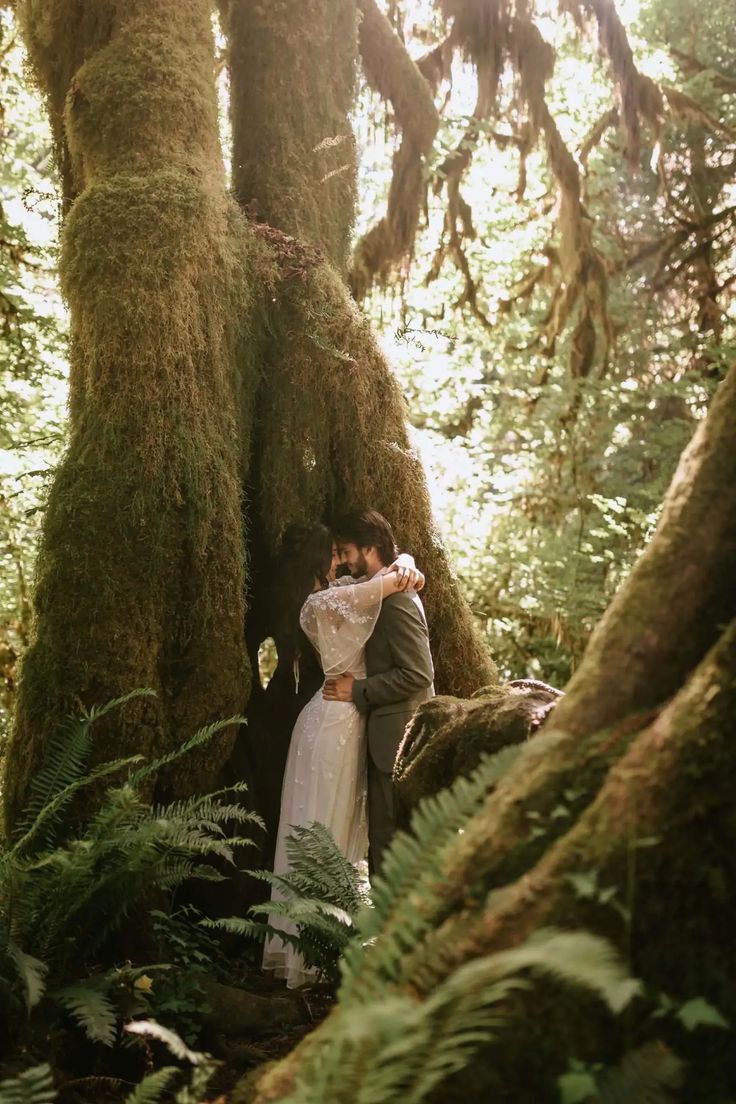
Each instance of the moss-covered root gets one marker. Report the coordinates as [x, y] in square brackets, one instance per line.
[661, 832]
[611, 682]
[334, 438]
[141, 569]
[292, 65]
[448, 736]
[650, 864]
[681, 592]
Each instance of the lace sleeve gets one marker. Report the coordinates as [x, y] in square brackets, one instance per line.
[339, 621]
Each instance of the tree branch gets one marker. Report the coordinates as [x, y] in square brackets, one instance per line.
[392, 73]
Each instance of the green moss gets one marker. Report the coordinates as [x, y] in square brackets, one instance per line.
[293, 79]
[449, 736]
[141, 573]
[332, 437]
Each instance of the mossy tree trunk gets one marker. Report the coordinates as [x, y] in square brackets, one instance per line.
[141, 573]
[215, 360]
[623, 825]
[331, 430]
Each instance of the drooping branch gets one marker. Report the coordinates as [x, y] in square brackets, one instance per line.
[582, 268]
[609, 119]
[639, 96]
[392, 73]
[692, 67]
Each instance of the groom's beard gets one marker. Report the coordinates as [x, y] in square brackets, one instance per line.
[359, 568]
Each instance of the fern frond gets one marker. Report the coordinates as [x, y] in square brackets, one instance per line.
[65, 758]
[93, 1009]
[321, 870]
[574, 957]
[55, 806]
[235, 925]
[152, 1087]
[408, 893]
[201, 736]
[97, 711]
[33, 1086]
[400, 1049]
[31, 971]
[309, 910]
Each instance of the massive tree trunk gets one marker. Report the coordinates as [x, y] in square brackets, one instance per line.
[215, 360]
[330, 424]
[141, 573]
[622, 824]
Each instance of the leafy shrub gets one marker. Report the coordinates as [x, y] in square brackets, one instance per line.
[63, 894]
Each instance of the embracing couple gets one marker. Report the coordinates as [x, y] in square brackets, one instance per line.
[369, 633]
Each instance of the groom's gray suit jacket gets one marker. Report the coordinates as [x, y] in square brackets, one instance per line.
[399, 675]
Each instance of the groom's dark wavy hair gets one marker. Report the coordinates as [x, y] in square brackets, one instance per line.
[368, 529]
[305, 555]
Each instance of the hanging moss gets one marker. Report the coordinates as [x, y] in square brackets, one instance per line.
[392, 73]
[141, 573]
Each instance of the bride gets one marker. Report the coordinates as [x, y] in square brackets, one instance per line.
[325, 777]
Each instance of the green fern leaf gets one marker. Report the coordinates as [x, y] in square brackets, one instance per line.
[234, 925]
[93, 1009]
[55, 806]
[152, 1087]
[577, 958]
[408, 894]
[33, 1086]
[201, 736]
[65, 759]
[32, 973]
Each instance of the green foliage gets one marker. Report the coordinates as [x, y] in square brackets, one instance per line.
[321, 894]
[547, 484]
[649, 1075]
[93, 1010]
[409, 893]
[33, 1086]
[177, 995]
[67, 887]
[32, 349]
[154, 1087]
[394, 1047]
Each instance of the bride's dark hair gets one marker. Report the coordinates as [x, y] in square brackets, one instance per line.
[305, 555]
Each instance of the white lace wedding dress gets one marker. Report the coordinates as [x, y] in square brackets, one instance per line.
[325, 778]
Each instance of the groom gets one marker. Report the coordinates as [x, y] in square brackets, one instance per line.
[398, 665]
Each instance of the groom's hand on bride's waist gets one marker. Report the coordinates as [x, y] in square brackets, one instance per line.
[339, 688]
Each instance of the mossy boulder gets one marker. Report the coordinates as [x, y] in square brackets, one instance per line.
[448, 736]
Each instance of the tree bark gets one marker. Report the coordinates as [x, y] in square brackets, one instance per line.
[141, 577]
[292, 66]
